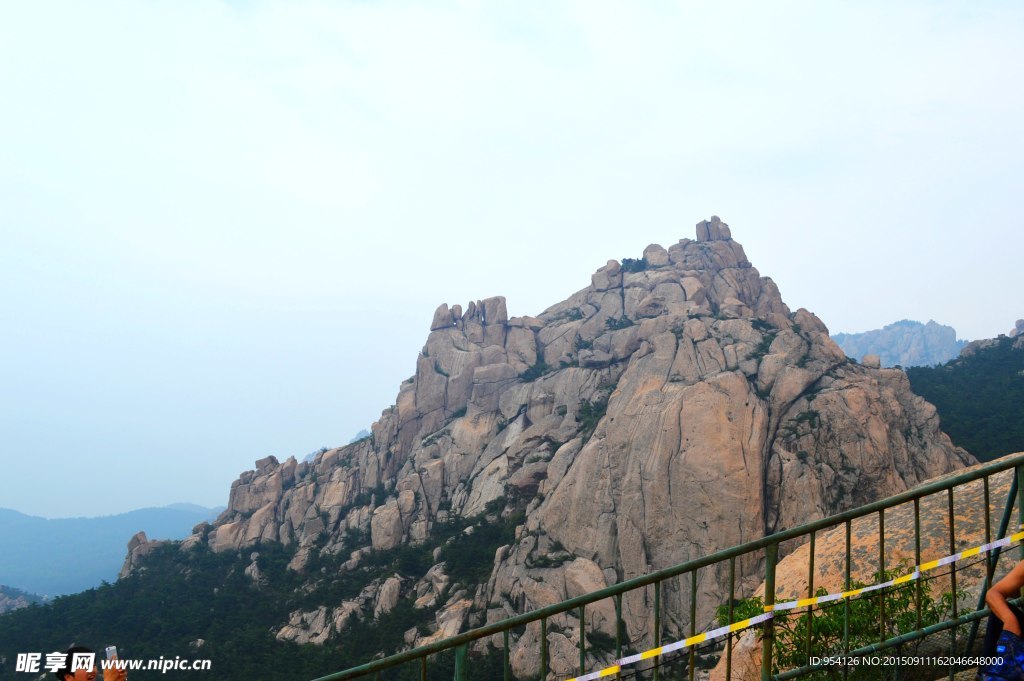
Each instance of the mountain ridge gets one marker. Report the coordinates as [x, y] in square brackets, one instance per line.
[32, 542]
[672, 408]
[904, 343]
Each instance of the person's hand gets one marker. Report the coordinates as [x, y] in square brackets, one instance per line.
[114, 675]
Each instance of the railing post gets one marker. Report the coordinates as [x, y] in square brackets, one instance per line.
[917, 559]
[657, 628]
[618, 631]
[881, 575]
[732, 599]
[1020, 508]
[768, 640]
[583, 640]
[693, 624]
[1020, 505]
[993, 557]
[506, 666]
[846, 602]
[543, 649]
[952, 577]
[460, 662]
[810, 594]
[988, 512]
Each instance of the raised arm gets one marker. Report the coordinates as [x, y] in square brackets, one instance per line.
[1007, 587]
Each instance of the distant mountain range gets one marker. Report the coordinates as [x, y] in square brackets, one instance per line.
[67, 555]
[904, 343]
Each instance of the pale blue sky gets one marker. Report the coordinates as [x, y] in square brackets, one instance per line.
[224, 227]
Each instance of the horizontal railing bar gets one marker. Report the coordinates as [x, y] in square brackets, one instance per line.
[674, 571]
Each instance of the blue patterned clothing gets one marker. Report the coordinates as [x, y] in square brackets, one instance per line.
[1010, 648]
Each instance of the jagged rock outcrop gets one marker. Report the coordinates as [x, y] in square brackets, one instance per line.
[872, 361]
[316, 626]
[674, 407]
[449, 621]
[905, 343]
[974, 347]
[13, 599]
[138, 548]
[377, 598]
[1018, 329]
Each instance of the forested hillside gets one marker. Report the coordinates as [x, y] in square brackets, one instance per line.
[980, 396]
[203, 605]
[32, 546]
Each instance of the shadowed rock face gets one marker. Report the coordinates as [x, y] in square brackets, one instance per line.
[674, 407]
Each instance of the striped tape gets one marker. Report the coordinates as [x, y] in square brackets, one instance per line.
[915, 574]
[770, 610]
[678, 645]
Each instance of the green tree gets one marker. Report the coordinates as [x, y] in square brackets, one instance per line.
[872, 616]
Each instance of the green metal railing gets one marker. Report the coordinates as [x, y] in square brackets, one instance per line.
[770, 546]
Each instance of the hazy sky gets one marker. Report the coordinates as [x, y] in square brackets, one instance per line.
[225, 226]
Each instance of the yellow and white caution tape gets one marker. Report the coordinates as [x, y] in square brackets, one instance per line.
[915, 574]
[678, 645]
[770, 610]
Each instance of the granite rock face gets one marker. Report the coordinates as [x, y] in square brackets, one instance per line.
[673, 408]
[13, 599]
[974, 347]
[138, 547]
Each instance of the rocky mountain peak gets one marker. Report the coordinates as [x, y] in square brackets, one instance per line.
[672, 408]
[713, 230]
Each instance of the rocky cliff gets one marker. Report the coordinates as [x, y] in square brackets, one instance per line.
[905, 343]
[12, 599]
[672, 408]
